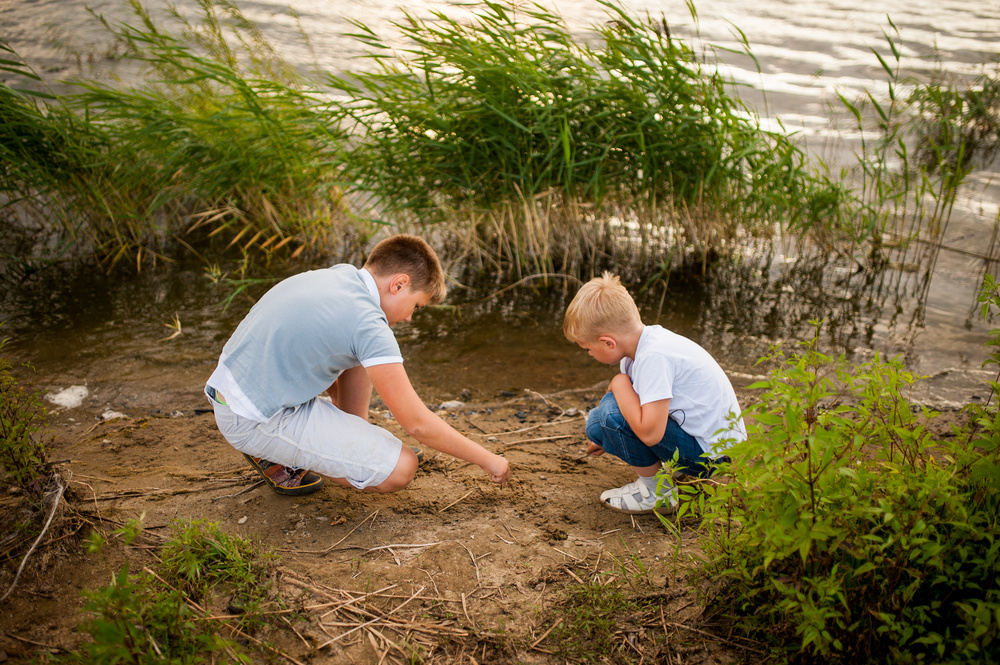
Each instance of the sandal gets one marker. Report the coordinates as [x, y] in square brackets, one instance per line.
[285, 479]
[635, 499]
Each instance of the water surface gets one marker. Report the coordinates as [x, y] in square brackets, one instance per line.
[82, 328]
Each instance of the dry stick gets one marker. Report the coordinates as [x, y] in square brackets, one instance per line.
[330, 548]
[509, 533]
[473, 557]
[243, 491]
[541, 438]
[714, 637]
[455, 501]
[308, 646]
[551, 422]
[378, 618]
[469, 420]
[390, 643]
[155, 491]
[55, 505]
[37, 644]
[566, 554]
[466, 610]
[408, 545]
[340, 603]
[378, 652]
[547, 402]
[546, 634]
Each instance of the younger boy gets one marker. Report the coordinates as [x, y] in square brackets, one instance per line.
[671, 397]
[329, 331]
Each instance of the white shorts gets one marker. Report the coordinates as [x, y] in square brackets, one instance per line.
[316, 436]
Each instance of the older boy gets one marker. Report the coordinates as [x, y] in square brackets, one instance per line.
[329, 331]
[671, 397]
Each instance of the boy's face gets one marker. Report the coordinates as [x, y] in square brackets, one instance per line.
[605, 349]
[401, 301]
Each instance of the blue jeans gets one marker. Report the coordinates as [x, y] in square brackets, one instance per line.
[606, 426]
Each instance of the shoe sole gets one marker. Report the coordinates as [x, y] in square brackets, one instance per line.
[301, 489]
[662, 510]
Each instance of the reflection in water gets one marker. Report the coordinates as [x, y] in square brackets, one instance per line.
[72, 322]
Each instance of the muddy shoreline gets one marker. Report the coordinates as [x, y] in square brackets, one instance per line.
[478, 560]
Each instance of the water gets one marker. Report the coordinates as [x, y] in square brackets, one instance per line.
[76, 327]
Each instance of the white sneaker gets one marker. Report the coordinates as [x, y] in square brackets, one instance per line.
[636, 499]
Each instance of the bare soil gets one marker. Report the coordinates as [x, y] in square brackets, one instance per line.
[455, 568]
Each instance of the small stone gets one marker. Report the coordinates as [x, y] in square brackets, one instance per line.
[242, 520]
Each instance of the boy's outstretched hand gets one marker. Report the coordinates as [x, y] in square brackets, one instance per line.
[499, 469]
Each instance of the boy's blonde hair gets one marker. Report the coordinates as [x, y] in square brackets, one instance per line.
[601, 306]
[412, 256]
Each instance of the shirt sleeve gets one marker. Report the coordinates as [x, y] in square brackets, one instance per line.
[652, 378]
[375, 344]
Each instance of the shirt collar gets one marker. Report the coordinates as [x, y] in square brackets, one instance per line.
[369, 281]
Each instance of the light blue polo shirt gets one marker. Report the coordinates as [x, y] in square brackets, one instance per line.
[299, 337]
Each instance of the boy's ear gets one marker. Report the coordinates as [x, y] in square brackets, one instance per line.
[398, 282]
[608, 341]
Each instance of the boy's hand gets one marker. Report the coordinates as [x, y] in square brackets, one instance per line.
[499, 469]
[594, 449]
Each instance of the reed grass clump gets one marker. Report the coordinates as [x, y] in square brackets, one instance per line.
[511, 125]
[221, 135]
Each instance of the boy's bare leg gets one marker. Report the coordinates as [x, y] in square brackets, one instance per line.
[352, 392]
[646, 471]
[401, 476]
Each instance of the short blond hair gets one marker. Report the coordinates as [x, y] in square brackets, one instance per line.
[601, 306]
[412, 256]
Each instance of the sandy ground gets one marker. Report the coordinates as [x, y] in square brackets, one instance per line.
[458, 568]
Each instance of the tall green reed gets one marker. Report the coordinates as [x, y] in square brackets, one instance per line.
[525, 135]
[221, 135]
[918, 148]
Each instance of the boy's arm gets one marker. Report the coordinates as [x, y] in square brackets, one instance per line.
[648, 421]
[393, 386]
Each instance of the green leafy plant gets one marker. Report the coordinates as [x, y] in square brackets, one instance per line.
[136, 620]
[22, 438]
[200, 558]
[162, 616]
[851, 533]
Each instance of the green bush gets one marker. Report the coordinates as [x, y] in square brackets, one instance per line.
[157, 618]
[22, 440]
[136, 620]
[850, 533]
[200, 557]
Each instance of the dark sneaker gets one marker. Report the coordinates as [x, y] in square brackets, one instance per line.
[419, 453]
[284, 479]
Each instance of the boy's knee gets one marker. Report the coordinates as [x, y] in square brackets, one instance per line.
[402, 475]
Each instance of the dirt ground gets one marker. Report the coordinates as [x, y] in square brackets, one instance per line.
[453, 566]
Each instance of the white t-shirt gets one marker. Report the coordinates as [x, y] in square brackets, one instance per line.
[670, 366]
[299, 337]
